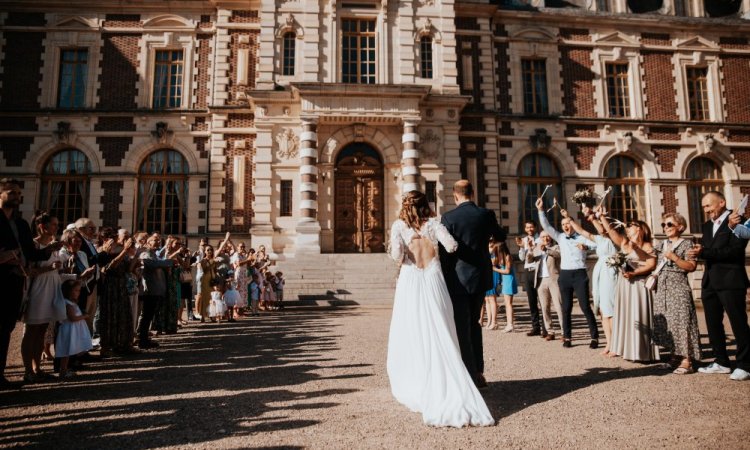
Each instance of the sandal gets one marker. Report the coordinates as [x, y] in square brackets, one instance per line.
[682, 370]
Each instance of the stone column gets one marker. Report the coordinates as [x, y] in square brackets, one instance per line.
[410, 158]
[308, 227]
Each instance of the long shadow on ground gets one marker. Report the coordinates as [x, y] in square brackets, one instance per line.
[203, 384]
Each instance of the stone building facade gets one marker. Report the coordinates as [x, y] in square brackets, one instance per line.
[298, 124]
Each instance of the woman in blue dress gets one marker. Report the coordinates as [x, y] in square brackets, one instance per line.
[490, 297]
[508, 279]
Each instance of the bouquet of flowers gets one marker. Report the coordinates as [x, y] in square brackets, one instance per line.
[584, 197]
[617, 261]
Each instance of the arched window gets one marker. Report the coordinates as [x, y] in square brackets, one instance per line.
[703, 175]
[645, 6]
[64, 185]
[721, 8]
[288, 53]
[627, 200]
[538, 171]
[425, 56]
[162, 193]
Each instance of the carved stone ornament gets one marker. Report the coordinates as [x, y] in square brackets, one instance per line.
[287, 144]
[429, 145]
[162, 133]
[540, 140]
[331, 146]
[625, 142]
[290, 20]
[64, 134]
[359, 132]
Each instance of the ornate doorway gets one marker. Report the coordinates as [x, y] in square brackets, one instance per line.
[358, 226]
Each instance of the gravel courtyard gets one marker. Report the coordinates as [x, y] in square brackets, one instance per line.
[315, 378]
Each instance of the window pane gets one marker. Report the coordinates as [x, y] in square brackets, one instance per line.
[64, 186]
[72, 81]
[358, 51]
[162, 193]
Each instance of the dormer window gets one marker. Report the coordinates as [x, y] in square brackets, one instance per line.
[645, 6]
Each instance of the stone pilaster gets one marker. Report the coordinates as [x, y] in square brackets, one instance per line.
[410, 158]
[308, 227]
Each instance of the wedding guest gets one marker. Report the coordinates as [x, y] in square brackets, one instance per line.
[603, 277]
[573, 276]
[231, 298]
[165, 317]
[269, 295]
[208, 271]
[490, 297]
[546, 259]
[240, 261]
[45, 300]
[724, 287]
[675, 319]
[525, 246]
[16, 249]
[508, 281]
[632, 330]
[254, 293]
[186, 261]
[279, 289]
[73, 336]
[96, 258]
[218, 308]
[115, 310]
[154, 288]
[739, 229]
[198, 257]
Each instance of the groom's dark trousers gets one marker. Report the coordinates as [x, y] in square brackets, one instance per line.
[468, 275]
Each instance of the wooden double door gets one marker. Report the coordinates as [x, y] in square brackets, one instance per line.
[359, 221]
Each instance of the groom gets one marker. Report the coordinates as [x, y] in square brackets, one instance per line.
[468, 272]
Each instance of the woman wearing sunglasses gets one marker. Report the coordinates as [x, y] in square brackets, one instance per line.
[675, 319]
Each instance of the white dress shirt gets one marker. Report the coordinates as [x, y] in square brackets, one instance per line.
[571, 257]
[720, 220]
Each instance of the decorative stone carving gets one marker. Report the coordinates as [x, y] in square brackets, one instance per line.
[64, 134]
[429, 145]
[540, 140]
[625, 142]
[331, 147]
[287, 144]
[359, 132]
[261, 111]
[162, 133]
[290, 20]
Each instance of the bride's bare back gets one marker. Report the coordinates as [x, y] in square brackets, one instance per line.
[421, 251]
[419, 246]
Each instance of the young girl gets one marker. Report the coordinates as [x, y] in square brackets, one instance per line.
[269, 296]
[254, 293]
[218, 308]
[490, 297]
[279, 289]
[231, 299]
[73, 336]
[504, 266]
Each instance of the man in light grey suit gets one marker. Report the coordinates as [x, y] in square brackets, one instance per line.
[546, 258]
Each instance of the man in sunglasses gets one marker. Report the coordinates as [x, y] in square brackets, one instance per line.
[724, 287]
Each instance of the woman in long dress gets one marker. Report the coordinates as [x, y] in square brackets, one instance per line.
[675, 318]
[115, 310]
[632, 328]
[424, 362]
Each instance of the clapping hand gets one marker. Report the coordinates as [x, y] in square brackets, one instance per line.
[107, 246]
[734, 220]
[540, 204]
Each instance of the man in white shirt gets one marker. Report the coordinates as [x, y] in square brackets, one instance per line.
[526, 245]
[573, 275]
[546, 257]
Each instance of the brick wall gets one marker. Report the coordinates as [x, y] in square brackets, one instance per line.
[201, 146]
[244, 17]
[577, 79]
[14, 149]
[200, 124]
[107, 123]
[113, 149]
[742, 157]
[202, 75]
[253, 45]
[739, 136]
[575, 34]
[736, 43]
[655, 39]
[583, 155]
[111, 201]
[502, 76]
[669, 198]
[586, 131]
[119, 74]
[666, 156]
[24, 19]
[471, 123]
[661, 98]
[467, 23]
[18, 123]
[21, 73]
[664, 134]
[736, 70]
[247, 212]
[237, 120]
[123, 21]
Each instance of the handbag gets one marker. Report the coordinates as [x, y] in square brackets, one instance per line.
[186, 276]
[651, 282]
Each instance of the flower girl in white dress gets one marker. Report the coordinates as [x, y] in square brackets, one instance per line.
[424, 362]
[73, 336]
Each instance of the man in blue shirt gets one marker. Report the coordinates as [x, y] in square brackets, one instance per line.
[573, 276]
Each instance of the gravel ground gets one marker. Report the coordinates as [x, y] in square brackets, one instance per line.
[315, 378]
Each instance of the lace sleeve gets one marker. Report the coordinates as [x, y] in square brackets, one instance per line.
[444, 237]
[396, 245]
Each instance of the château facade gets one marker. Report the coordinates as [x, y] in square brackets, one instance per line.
[298, 124]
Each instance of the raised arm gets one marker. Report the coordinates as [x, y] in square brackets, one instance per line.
[223, 243]
[545, 223]
[613, 235]
[578, 228]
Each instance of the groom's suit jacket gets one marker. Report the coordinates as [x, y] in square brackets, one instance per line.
[725, 258]
[469, 270]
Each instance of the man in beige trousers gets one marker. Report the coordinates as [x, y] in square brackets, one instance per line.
[546, 258]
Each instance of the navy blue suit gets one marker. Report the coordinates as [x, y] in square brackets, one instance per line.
[468, 275]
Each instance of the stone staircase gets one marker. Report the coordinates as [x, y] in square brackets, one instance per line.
[339, 279]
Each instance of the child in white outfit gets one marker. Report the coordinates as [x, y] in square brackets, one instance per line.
[218, 308]
[231, 299]
[73, 336]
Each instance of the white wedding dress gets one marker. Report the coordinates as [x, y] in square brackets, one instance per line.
[424, 362]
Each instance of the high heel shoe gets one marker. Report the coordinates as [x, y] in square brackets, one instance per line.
[508, 329]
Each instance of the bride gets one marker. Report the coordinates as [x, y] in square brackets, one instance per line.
[424, 362]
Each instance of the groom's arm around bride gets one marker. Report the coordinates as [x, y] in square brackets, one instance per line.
[468, 271]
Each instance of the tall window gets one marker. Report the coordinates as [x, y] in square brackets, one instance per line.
[162, 193]
[466, 67]
[71, 90]
[168, 79]
[287, 65]
[627, 200]
[617, 89]
[358, 51]
[681, 7]
[538, 171]
[534, 86]
[602, 5]
[703, 175]
[425, 56]
[286, 198]
[65, 187]
[697, 83]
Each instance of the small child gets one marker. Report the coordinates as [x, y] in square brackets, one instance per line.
[73, 336]
[269, 294]
[279, 289]
[218, 308]
[254, 292]
[231, 299]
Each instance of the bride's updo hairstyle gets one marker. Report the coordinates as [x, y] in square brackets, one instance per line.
[415, 209]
